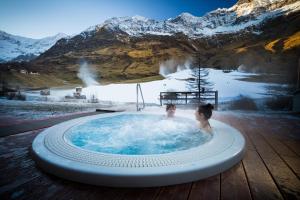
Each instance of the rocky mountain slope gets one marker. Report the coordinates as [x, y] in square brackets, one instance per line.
[227, 20]
[254, 35]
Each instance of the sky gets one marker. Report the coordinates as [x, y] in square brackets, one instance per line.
[42, 18]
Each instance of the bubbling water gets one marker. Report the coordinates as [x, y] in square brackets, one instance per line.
[134, 134]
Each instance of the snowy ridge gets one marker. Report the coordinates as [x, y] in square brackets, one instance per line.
[234, 19]
[12, 46]
[245, 15]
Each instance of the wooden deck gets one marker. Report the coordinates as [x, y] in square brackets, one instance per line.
[12, 128]
[269, 170]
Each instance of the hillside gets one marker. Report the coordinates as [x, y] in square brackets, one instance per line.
[132, 49]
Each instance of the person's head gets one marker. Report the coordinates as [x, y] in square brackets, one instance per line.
[170, 109]
[204, 112]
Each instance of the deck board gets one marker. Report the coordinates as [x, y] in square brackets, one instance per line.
[260, 181]
[234, 122]
[43, 123]
[234, 184]
[293, 145]
[269, 170]
[294, 164]
[176, 192]
[288, 182]
[286, 154]
[142, 193]
[206, 189]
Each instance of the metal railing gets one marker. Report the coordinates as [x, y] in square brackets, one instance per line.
[189, 97]
[139, 89]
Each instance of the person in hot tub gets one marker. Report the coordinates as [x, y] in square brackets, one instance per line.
[203, 114]
[170, 109]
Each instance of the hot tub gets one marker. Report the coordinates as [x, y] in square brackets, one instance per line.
[136, 149]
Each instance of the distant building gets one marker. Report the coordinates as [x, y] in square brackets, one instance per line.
[78, 90]
[34, 73]
[45, 92]
[77, 94]
[23, 71]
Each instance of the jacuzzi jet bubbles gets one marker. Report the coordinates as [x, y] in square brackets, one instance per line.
[138, 135]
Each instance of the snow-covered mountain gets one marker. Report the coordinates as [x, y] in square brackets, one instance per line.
[12, 46]
[244, 14]
[254, 35]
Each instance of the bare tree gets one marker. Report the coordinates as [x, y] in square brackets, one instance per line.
[199, 81]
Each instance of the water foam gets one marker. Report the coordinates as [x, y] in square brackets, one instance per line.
[138, 134]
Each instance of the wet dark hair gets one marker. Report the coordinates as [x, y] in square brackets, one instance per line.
[206, 110]
[170, 106]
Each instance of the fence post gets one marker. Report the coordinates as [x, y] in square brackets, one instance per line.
[216, 99]
[185, 98]
[137, 97]
[160, 96]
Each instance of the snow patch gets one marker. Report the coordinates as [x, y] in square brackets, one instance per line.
[13, 46]
[229, 85]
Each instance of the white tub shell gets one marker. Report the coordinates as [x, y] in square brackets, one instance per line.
[55, 154]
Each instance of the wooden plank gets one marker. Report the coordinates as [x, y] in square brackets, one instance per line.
[287, 181]
[285, 128]
[206, 189]
[294, 164]
[43, 123]
[106, 193]
[176, 192]
[9, 143]
[234, 184]
[236, 123]
[279, 135]
[278, 146]
[84, 191]
[142, 193]
[260, 181]
[293, 145]
[285, 153]
[282, 173]
[17, 166]
[35, 189]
